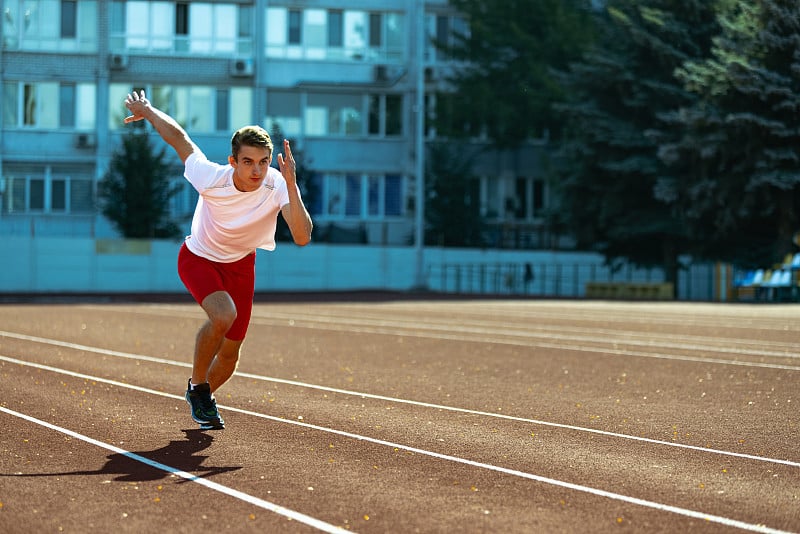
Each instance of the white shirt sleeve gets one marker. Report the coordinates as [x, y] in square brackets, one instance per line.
[204, 174]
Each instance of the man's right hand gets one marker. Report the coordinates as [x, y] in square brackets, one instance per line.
[137, 104]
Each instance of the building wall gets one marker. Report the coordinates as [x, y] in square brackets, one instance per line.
[102, 60]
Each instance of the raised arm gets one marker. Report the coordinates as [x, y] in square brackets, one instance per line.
[169, 130]
[294, 212]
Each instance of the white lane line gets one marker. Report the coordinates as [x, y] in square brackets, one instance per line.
[560, 332]
[520, 335]
[152, 359]
[527, 339]
[236, 494]
[521, 474]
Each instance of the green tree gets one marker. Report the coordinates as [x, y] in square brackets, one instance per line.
[609, 166]
[452, 200]
[506, 85]
[735, 152]
[135, 192]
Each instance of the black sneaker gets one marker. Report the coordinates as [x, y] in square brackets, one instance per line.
[204, 407]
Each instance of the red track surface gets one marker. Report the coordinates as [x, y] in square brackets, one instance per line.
[405, 416]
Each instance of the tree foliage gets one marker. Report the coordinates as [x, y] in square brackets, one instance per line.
[506, 87]
[680, 124]
[135, 192]
[452, 200]
[610, 164]
[735, 152]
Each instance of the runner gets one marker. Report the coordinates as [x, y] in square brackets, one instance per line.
[236, 213]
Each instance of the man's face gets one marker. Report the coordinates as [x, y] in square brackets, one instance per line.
[251, 168]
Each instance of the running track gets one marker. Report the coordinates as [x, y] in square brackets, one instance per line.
[403, 416]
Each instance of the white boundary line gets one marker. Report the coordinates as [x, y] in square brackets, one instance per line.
[236, 494]
[295, 383]
[521, 474]
[515, 334]
[522, 332]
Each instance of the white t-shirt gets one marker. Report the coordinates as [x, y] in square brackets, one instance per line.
[229, 224]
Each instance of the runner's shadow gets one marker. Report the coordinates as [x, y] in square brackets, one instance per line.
[140, 466]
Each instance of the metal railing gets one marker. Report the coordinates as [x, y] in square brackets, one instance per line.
[556, 279]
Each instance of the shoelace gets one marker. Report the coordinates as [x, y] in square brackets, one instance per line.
[207, 404]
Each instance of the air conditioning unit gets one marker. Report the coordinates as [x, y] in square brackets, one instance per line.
[118, 61]
[380, 73]
[85, 140]
[242, 67]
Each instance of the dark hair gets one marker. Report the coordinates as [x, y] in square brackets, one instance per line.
[250, 136]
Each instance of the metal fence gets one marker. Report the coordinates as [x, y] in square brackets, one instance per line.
[696, 282]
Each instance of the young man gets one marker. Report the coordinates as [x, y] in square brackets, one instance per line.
[236, 214]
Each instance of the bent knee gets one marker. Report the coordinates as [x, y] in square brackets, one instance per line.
[221, 310]
[223, 320]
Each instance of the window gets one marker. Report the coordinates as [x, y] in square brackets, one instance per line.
[182, 18]
[538, 197]
[355, 34]
[283, 112]
[47, 189]
[355, 196]
[10, 104]
[394, 115]
[210, 28]
[52, 25]
[244, 44]
[185, 27]
[191, 107]
[117, 24]
[393, 195]
[492, 198]
[223, 111]
[198, 108]
[386, 36]
[315, 33]
[375, 30]
[334, 33]
[335, 29]
[384, 195]
[443, 31]
[295, 27]
[333, 114]
[395, 32]
[149, 25]
[276, 31]
[49, 105]
[67, 105]
[385, 115]
[240, 107]
[69, 22]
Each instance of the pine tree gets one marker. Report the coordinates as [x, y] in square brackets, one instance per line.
[610, 164]
[737, 149]
[506, 87]
[135, 192]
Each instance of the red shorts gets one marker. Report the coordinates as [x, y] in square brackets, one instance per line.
[203, 277]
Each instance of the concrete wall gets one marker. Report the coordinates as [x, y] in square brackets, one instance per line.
[83, 265]
[79, 265]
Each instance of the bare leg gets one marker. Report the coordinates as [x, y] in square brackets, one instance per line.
[224, 363]
[221, 315]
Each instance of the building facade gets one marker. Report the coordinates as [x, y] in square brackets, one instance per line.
[340, 79]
